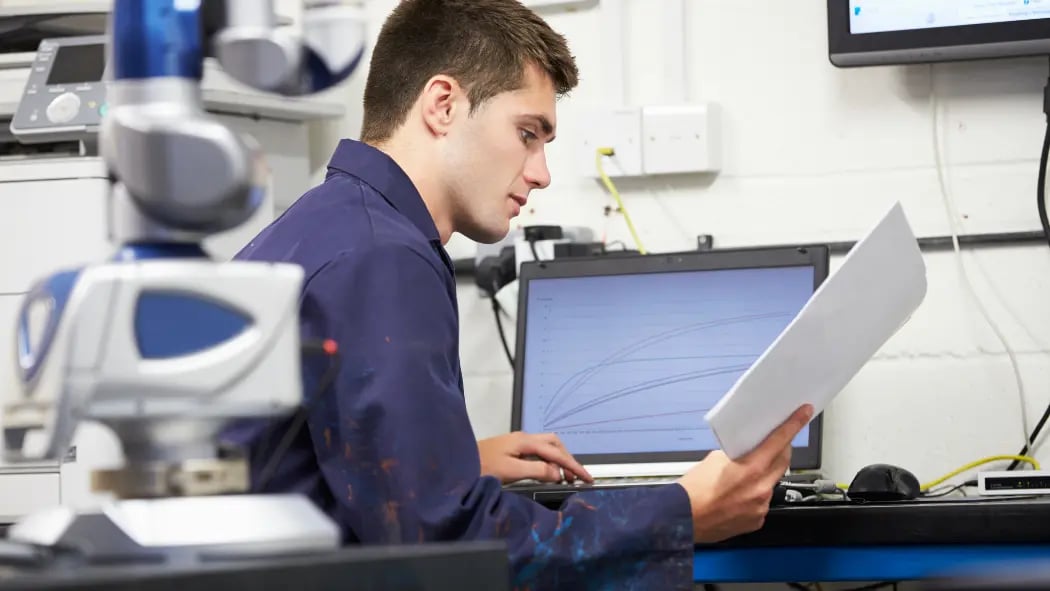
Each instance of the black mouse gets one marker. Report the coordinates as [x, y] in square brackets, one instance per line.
[884, 482]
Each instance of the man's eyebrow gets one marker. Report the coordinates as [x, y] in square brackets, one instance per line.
[544, 123]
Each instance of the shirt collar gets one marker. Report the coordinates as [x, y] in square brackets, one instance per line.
[379, 171]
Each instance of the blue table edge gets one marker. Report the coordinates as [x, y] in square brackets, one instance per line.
[862, 563]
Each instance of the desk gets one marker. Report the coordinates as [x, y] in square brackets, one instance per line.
[463, 566]
[886, 541]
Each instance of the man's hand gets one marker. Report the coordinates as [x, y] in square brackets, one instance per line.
[731, 498]
[507, 457]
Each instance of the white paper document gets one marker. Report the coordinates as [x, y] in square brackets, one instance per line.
[851, 315]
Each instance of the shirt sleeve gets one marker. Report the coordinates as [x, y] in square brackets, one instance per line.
[395, 446]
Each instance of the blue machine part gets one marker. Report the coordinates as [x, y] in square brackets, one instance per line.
[156, 39]
[173, 324]
[140, 251]
[54, 293]
[318, 77]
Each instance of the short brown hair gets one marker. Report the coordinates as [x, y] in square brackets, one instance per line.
[484, 44]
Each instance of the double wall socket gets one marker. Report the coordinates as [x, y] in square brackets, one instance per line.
[652, 140]
[681, 139]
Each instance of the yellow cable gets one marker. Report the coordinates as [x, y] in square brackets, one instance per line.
[616, 194]
[970, 466]
[982, 461]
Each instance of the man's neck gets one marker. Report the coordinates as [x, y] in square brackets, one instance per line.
[420, 170]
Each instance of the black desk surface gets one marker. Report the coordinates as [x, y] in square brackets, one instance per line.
[468, 566]
[975, 520]
[939, 521]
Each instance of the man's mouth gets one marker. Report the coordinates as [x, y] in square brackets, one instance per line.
[521, 201]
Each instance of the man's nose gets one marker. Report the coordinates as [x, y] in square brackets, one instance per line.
[537, 175]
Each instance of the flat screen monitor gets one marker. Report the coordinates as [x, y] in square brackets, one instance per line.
[881, 32]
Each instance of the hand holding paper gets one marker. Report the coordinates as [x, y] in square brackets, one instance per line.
[731, 497]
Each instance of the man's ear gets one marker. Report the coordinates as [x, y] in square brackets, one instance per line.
[442, 100]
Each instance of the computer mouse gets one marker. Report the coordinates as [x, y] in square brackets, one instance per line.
[884, 482]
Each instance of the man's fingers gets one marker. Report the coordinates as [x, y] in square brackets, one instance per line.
[552, 439]
[537, 470]
[570, 476]
[766, 453]
[556, 455]
[564, 475]
[567, 475]
[780, 466]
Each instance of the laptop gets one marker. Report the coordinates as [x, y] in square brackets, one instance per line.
[622, 356]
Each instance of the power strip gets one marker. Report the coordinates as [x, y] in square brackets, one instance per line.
[1028, 482]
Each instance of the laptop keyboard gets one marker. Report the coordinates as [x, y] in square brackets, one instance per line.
[598, 482]
[553, 494]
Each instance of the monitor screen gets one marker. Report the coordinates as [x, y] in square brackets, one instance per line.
[878, 16]
[630, 363]
[876, 32]
[74, 64]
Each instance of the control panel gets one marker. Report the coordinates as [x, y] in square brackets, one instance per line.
[65, 95]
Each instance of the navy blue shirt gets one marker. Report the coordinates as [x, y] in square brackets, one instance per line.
[388, 450]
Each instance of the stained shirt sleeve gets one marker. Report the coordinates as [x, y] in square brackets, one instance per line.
[396, 449]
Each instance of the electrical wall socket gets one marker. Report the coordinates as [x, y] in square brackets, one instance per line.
[616, 128]
[681, 139]
[652, 140]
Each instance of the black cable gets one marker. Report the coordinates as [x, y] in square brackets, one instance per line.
[496, 310]
[1041, 181]
[800, 587]
[945, 492]
[948, 491]
[1041, 205]
[330, 349]
[532, 247]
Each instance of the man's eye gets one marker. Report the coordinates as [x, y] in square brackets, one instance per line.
[527, 136]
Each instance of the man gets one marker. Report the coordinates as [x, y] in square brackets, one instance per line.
[459, 104]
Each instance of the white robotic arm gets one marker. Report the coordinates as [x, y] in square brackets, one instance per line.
[186, 174]
[257, 53]
[161, 344]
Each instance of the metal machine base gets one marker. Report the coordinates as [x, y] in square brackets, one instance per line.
[183, 530]
[229, 543]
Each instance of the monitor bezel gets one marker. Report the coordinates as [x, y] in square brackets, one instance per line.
[806, 457]
[939, 44]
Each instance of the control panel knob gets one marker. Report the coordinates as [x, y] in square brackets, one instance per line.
[63, 108]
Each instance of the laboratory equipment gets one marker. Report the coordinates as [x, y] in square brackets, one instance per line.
[162, 344]
[55, 209]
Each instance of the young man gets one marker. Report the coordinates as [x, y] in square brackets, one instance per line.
[459, 104]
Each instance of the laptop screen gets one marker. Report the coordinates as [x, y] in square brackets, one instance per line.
[623, 360]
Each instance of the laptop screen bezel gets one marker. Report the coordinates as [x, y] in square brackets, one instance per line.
[805, 457]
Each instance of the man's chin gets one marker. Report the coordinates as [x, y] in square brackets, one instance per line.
[487, 235]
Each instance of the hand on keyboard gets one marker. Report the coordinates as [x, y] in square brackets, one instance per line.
[507, 458]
